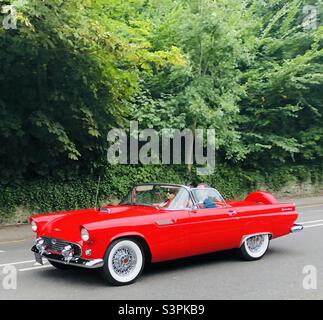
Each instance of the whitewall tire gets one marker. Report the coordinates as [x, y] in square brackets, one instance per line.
[124, 261]
[254, 247]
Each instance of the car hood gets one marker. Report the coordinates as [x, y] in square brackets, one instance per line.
[67, 225]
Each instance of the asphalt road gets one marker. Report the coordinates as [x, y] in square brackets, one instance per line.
[279, 275]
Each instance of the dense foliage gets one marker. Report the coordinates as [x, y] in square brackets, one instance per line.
[74, 69]
[67, 73]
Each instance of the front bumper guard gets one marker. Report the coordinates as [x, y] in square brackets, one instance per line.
[296, 228]
[78, 262]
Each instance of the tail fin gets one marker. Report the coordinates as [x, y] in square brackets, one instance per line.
[263, 197]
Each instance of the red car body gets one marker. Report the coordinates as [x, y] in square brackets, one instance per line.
[167, 234]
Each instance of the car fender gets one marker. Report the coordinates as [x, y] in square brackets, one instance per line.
[128, 235]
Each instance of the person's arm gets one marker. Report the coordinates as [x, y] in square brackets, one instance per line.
[208, 203]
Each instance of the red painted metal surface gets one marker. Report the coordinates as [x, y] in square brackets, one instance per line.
[172, 234]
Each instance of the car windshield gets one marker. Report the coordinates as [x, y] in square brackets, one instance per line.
[160, 196]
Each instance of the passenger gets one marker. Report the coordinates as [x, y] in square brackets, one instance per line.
[207, 202]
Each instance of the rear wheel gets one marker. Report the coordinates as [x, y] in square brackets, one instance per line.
[124, 261]
[254, 247]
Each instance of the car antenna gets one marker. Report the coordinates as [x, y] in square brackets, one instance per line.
[97, 194]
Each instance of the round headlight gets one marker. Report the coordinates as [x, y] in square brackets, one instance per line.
[85, 234]
[39, 244]
[33, 226]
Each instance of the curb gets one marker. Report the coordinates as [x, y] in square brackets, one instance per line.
[315, 200]
[16, 233]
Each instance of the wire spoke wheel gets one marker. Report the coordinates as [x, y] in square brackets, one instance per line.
[255, 243]
[255, 247]
[123, 262]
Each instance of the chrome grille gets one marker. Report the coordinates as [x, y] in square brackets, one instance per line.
[57, 245]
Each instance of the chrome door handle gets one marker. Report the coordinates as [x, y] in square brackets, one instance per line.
[232, 212]
[165, 222]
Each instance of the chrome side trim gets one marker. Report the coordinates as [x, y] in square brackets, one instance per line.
[296, 228]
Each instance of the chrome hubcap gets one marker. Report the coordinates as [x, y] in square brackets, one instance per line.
[255, 243]
[124, 261]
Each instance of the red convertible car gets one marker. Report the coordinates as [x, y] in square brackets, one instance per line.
[158, 222]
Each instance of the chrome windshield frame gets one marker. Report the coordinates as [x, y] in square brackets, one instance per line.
[190, 190]
[170, 185]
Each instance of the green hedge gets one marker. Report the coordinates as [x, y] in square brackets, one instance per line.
[20, 200]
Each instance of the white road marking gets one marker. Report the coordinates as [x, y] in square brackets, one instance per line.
[307, 213]
[309, 222]
[14, 263]
[1, 251]
[35, 268]
[309, 206]
[313, 226]
[15, 241]
[21, 262]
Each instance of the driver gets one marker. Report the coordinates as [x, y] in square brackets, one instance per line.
[170, 196]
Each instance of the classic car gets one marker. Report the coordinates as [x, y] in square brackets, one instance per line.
[158, 222]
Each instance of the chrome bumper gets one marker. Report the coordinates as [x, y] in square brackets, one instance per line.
[78, 262]
[296, 228]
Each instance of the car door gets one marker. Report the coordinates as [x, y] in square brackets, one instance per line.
[168, 239]
[212, 229]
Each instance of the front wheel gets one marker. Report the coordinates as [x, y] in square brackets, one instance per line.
[254, 247]
[124, 261]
